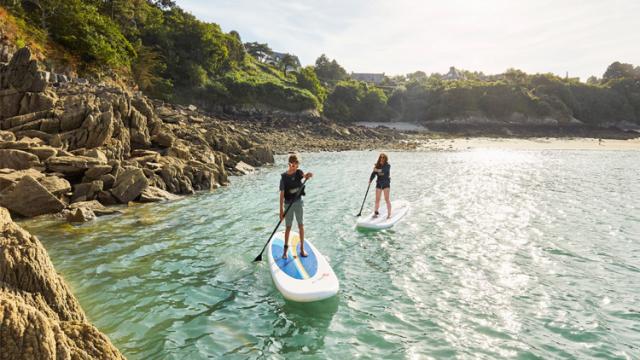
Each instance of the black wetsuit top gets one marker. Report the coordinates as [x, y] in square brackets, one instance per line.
[384, 176]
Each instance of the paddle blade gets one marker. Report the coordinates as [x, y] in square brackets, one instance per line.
[258, 258]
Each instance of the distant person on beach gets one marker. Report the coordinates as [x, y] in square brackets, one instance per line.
[290, 184]
[382, 169]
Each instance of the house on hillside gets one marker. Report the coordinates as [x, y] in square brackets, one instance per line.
[372, 78]
[275, 59]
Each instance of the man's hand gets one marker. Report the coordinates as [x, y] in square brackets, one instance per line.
[281, 214]
[308, 175]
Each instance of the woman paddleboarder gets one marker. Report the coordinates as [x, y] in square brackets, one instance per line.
[382, 170]
[290, 183]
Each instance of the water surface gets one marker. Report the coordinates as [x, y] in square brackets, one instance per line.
[505, 254]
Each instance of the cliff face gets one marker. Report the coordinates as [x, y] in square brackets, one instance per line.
[65, 142]
[39, 317]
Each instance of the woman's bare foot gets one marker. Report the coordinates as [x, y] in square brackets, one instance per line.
[284, 252]
[303, 253]
[388, 217]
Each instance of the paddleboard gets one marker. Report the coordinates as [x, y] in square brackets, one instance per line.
[399, 209]
[302, 279]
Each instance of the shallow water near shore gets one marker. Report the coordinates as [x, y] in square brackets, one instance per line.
[504, 254]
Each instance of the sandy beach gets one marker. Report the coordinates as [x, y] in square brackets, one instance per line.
[529, 144]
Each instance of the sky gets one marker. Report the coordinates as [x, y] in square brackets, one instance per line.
[402, 36]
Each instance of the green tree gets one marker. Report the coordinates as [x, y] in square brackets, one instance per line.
[306, 78]
[620, 70]
[258, 50]
[592, 80]
[329, 71]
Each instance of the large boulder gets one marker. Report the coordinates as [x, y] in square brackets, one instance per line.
[23, 74]
[244, 168]
[17, 159]
[129, 185]
[86, 191]
[258, 155]
[55, 185]
[35, 102]
[42, 152]
[39, 316]
[96, 172]
[72, 165]
[154, 194]
[9, 177]
[80, 215]
[29, 198]
[96, 207]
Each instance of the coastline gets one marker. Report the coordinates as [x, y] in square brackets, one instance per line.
[547, 143]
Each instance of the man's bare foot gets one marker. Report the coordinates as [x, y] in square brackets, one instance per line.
[284, 253]
[376, 214]
[303, 253]
[389, 217]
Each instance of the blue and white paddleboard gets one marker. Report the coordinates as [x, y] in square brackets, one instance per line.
[399, 209]
[302, 279]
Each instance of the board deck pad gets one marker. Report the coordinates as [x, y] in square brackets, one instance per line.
[295, 266]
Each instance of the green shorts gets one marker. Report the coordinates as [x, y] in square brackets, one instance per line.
[296, 209]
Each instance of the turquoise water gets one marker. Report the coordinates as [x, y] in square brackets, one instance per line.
[505, 254]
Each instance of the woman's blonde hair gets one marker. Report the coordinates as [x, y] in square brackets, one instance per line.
[379, 163]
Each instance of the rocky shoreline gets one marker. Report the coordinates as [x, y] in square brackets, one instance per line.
[73, 147]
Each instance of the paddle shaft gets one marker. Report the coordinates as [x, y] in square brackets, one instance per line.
[365, 199]
[259, 257]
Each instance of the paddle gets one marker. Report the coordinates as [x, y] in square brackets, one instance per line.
[365, 199]
[259, 257]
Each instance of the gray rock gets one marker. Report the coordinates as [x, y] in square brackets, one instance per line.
[86, 191]
[244, 168]
[17, 159]
[94, 206]
[96, 172]
[72, 165]
[7, 136]
[129, 185]
[80, 215]
[43, 152]
[259, 155]
[163, 138]
[55, 185]
[9, 177]
[154, 194]
[35, 102]
[29, 198]
[106, 198]
[108, 180]
[97, 154]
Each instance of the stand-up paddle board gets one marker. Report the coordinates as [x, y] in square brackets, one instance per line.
[302, 279]
[399, 209]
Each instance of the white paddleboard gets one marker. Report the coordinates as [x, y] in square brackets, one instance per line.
[302, 279]
[399, 209]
